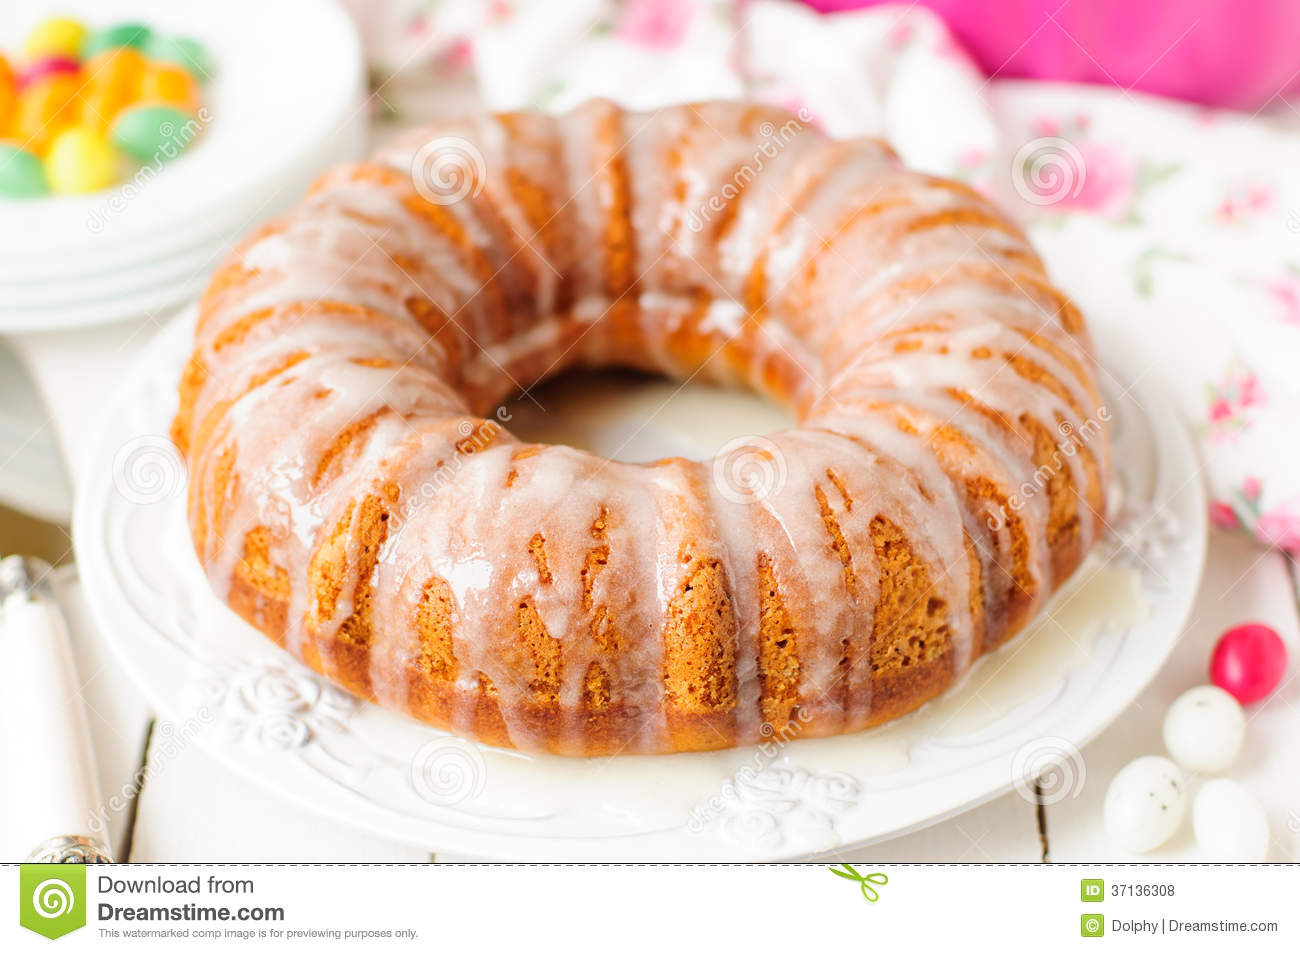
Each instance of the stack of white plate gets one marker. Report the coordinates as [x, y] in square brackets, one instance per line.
[284, 103]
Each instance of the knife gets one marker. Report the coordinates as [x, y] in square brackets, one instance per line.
[46, 740]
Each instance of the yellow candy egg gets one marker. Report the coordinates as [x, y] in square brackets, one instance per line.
[112, 81]
[45, 107]
[170, 85]
[58, 36]
[81, 160]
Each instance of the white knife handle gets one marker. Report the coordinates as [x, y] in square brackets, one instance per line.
[55, 796]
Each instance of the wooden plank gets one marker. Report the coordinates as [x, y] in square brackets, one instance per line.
[193, 808]
[1005, 830]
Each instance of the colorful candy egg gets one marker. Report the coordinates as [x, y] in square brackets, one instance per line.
[121, 66]
[1229, 823]
[183, 51]
[48, 67]
[45, 107]
[80, 160]
[21, 174]
[58, 36]
[112, 80]
[1145, 803]
[170, 84]
[1204, 728]
[71, 122]
[1248, 662]
[119, 35]
[99, 106]
[8, 95]
[153, 133]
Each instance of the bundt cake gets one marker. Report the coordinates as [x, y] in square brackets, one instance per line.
[355, 495]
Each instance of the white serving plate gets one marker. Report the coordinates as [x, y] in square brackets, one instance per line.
[125, 285]
[92, 290]
[345, 142]
[153, 300]
[1023, 710]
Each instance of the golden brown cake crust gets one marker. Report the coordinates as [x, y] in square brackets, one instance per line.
[356, 494]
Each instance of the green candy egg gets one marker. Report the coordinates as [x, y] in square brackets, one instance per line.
[21, 174]
[183, 51]
[116, 36]
[154, 133]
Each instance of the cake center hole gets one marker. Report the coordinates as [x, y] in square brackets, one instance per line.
[638, 418]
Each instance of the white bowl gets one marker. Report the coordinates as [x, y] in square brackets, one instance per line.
[285, 101]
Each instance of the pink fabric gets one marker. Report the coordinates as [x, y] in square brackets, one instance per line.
[1237, 53]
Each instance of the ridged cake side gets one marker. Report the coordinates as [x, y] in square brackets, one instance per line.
[355, 495]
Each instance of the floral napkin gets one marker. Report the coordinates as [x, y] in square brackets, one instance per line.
[1181, 223]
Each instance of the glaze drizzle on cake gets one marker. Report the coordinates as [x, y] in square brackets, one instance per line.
[354, 493]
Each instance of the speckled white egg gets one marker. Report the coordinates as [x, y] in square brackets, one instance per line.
[1204, 728]
[1229, 823]
[1145, 803]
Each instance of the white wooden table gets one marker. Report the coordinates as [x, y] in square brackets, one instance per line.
[184, 806]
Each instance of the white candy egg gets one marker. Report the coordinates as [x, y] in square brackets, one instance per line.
[1145, 803]
[1229, 823]
[1204, 728]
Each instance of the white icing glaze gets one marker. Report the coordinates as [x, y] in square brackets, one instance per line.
[801, 283]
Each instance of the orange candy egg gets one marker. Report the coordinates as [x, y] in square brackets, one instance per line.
[8, 95]
[121, 67]
[111, 82]
[170, 85]
[45, 108]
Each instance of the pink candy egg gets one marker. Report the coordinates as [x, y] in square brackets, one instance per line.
[1248, 662]
[48, 67]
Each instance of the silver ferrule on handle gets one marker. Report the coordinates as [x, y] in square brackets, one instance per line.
[24, 579]
[69, 850]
